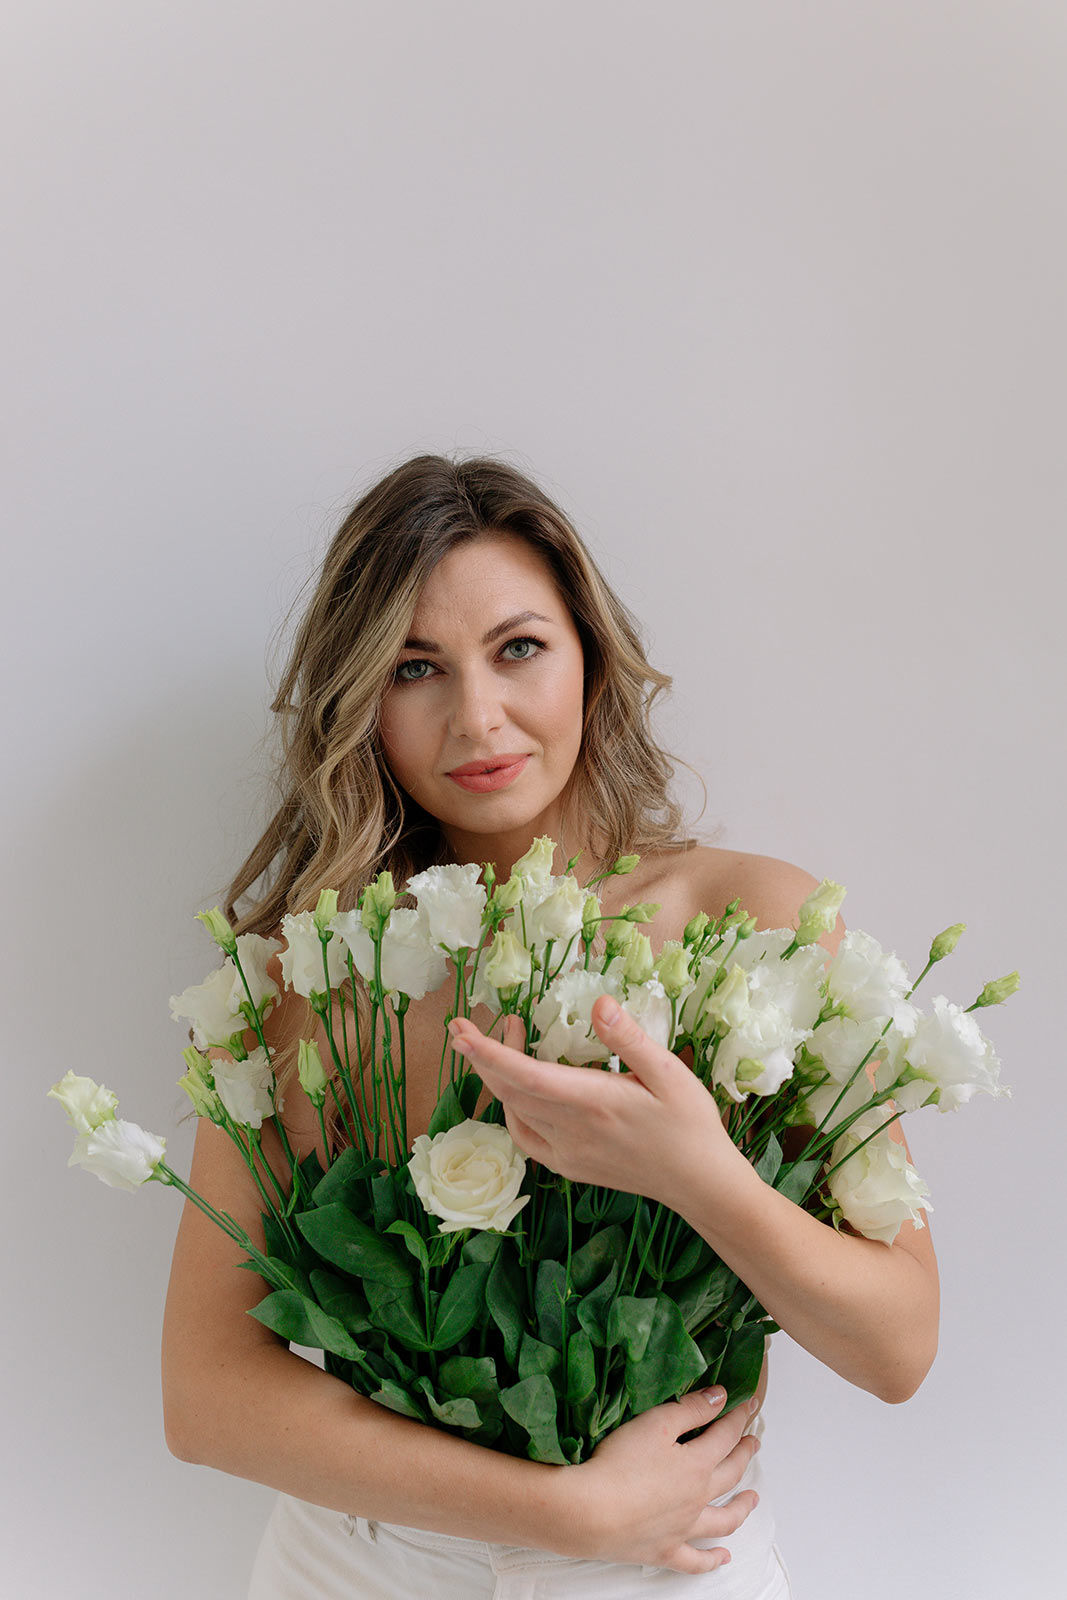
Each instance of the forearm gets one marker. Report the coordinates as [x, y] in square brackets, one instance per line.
[277, 1419]
[866, 1309]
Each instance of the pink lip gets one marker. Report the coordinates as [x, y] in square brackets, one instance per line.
[479, 781]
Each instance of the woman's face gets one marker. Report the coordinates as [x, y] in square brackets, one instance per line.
[491, 676]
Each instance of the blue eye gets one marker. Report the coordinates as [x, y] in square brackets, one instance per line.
[402, 673]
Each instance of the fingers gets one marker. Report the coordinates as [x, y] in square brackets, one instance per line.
[652, 1063]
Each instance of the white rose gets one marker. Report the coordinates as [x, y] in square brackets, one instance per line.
[867, 982]
[244, 1088]
[877, 1188]
[469, 1176]
[119, 1153]
[453, 900]
[211, 1007]
[950, 1056]
[563, 1017]
[302, 967]
[411, 965]
[86, 1103]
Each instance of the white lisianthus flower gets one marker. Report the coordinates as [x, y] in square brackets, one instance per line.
[766, 1037]
[212, 1007]
[254, 952]
[563, 1017]
[411, 965]
[119, 1153]
[948, 1055]
[536, 865]
[244, 1087]
[302, 966]
[554, 911]
[841, 1044]
[794, 986]
[877, 1188]
[672, 970]
[650, 1006]
[867, 982]
[507, 962]
[469, 1176]
[453, 901]
[728, 1006]
[86, 1103]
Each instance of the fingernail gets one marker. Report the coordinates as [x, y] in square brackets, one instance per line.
[753, 1404]
[609, 1011]
[714, 1397]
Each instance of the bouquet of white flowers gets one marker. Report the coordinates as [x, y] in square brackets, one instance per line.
[458, 1283]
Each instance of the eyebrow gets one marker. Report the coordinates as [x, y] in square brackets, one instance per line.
[488, 638]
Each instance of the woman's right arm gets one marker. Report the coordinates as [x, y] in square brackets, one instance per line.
[236, 1398]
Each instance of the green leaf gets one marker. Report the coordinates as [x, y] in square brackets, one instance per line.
[469, 1088]
[397, 1399]
[593, 1261]
[671, 1364]
[741, 1367]
[535, 1357]
[461, 1305]
[593, 1308]
[532, 1404]
[447, 1113]
[581, 1367]
[769, 1162]
[337, 1298]
[346, 1242]
[396, 1311]
[604, 1206]
[700, 1297]
[551, 1224]
[550, 1289]
[796, 1180]
[412, 1238]
[695, 1255]
[630, 1325]
[505, 1298]
[474, 1376]
[481, 1245]
[301, 1321]
[457, 1413]
[345, 1180]
[385, 1201]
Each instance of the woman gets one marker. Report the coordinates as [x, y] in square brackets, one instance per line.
[463, 682]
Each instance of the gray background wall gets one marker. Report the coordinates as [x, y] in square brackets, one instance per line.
[770, 296]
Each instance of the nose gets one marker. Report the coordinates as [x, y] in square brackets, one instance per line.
[477, 707]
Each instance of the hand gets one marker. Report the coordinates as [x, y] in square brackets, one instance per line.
[644, 1497]
[638, 1131]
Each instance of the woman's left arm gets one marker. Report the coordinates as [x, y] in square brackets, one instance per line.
[867, 1309]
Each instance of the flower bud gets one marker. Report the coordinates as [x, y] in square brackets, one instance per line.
[310, 1071]
[508, 961]
[996, 992]
[206, 1102]
[325, 911]
[818, 914]
[621, 934]
[219, 929]
[728, 1006]
[590, 918]
[639, 965]
[672, 968]
[624, 866]
[946, 942]
[746, 929]
[507, 896]
[378, 900]
[88, 1104]
[644, 911]
[199, 1065]
[536, 865]
[694, 930]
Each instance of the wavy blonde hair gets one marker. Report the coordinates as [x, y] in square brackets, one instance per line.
[342, 818]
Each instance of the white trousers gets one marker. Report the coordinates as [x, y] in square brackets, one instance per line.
[309, 1553]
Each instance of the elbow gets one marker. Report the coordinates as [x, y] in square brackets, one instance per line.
[900, 1379]
[180, 1437]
